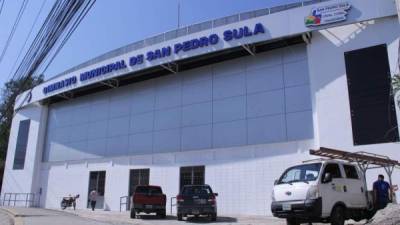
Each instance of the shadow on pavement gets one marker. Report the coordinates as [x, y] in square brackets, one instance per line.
[205, 219]
[154, 217]
[192, 219]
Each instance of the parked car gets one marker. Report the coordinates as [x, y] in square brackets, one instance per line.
[148, 199]
[197, 200]
[321, 191]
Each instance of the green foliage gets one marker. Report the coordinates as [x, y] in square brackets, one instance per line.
[7, 100]
[396, 83]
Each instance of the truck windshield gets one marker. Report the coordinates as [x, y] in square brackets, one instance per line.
[148, 190]
[196, 190]
[300, 173]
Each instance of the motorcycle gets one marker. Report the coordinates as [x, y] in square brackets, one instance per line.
[69, 202]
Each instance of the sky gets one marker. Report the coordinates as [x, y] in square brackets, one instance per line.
[110, 24]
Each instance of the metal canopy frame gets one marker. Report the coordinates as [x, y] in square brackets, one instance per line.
[364, 160]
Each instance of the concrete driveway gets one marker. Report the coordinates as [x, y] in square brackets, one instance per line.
[36, 216]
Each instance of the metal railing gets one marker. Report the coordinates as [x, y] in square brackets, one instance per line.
[124, 200]
[169, 35]
[172, 204]
[13, 199]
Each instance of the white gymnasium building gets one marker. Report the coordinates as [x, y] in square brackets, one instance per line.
[230, 102]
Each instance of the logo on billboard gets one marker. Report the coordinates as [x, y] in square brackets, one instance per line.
[327, 14]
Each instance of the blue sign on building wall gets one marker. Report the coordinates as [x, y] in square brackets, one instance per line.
[185, 46]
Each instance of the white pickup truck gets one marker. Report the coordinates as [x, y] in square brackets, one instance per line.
[321, 191]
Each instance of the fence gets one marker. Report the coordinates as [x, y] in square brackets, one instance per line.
[124, 201]
[172, 203]
[18, 199]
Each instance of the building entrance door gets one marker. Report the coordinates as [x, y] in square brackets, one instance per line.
[138, 177]
[97, 181]
[191, 175]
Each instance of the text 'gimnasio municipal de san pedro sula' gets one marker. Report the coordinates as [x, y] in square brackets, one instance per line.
[212, 39]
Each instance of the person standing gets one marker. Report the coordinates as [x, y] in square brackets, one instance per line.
[93, 198]
[381, 192]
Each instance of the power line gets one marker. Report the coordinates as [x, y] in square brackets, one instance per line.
[61, 22]
[73, 28]
[1, 7]
[14, 28]
[27, 38]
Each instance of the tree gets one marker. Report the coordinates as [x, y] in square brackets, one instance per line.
[7, 100]
[396, 86]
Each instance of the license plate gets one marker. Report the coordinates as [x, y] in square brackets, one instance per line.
[200, 201]
[286, 207]
[196, 212]
[148, 206]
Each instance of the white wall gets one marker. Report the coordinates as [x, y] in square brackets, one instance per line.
[242, 176]
[332, 121]
[27, 179]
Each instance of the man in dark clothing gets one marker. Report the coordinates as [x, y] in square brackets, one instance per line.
[381, 192]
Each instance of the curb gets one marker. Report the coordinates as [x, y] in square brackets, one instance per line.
[15, 217]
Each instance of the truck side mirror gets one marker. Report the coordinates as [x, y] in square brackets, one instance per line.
[275, 182]
[327, 178]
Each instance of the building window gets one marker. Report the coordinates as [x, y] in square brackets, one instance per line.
[22, 142]
[333, 169]
[191, 175]
[372, 108]
[97, 181]
[138, 177]
[350, 172]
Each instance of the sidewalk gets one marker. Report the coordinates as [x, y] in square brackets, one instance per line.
[36, 216]
[5, 218]
[116, 217]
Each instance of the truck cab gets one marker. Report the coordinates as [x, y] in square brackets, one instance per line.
[320, 191]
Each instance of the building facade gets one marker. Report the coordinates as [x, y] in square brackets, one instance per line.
[230, 102]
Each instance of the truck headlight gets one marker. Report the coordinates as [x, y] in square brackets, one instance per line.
[273, 195]
[313, 192]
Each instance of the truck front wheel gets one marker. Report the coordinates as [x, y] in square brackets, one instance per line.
[338, 215]
[292, 221]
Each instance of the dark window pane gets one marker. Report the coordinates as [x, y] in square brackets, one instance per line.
[350, 171]
[373, 115]
[333, 169]
[192, 175]
[148, 190]
[22, 142]
[196, 190]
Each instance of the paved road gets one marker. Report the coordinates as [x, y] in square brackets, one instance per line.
[34, 216]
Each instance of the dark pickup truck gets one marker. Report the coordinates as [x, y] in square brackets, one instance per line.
[197, 200]
[148, 199]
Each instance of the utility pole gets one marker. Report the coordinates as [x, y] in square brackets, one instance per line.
[179, 13]
[398, 9]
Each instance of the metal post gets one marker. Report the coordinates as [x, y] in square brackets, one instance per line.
[4, 198]
[364, 168]
[26, 200]
[389, 171]
[33, 198]
[9, 199]
[15, 198]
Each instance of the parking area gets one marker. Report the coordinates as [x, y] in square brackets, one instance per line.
[123, 218]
